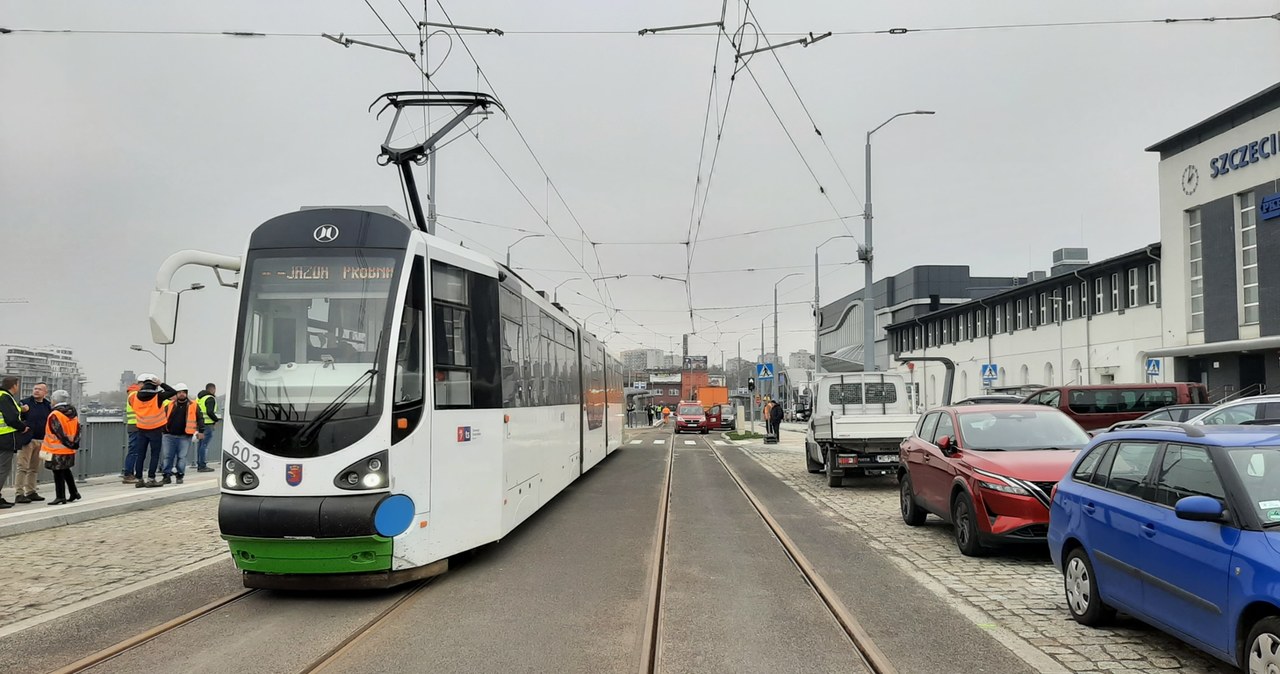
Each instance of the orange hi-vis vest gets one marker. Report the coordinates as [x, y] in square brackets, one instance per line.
[150, 416]
[191, 414]
[70, 428]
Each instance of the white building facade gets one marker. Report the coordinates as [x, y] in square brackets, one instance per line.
[1094, 324]
[1220, 225]
[53, 365]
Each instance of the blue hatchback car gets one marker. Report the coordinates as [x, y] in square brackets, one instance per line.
[1178, 526]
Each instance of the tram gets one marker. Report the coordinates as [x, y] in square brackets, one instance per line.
[395, 399]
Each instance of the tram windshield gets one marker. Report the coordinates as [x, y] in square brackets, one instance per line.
[311, 343]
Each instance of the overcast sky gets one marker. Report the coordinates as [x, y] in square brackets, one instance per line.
[116, 150]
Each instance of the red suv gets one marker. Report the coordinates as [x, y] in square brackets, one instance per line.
[987, 469]
[691, 417]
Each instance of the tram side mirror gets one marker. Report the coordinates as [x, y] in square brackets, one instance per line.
[164, 316]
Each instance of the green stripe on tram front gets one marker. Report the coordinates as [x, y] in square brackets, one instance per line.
[311, 555]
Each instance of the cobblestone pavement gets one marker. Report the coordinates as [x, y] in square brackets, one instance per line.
[50, 569]
[1017, 590]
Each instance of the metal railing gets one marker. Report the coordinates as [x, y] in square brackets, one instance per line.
[1246, 392]
[103, 445]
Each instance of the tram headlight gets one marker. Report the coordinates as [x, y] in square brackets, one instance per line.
[367, 473]
[236, 476]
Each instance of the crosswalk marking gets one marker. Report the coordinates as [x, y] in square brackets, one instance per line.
[689, 442]
[636, 442]
[721, 442]
[658, 442]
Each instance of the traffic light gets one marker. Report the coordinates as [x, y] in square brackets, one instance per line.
[751, 383]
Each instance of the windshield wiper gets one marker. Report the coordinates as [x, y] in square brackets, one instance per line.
[307, 432]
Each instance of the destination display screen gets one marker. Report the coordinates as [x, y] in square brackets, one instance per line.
[346, 272]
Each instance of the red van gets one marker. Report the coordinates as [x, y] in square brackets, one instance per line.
[1098, 407]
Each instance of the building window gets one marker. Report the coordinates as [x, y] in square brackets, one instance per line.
[1249, 256]
[1133, 288]
[1097, 296]
[1196, 275]
[1057, 306]
[1044, 309]
[968, 320]
[999, 320]
[1019, 315]
[1071, 302]
[1084, 299]
[944, 330]
[1115, 291]
[1153, 295]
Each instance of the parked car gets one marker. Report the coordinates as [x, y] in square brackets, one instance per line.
[692, 417]
[994, 399]
[1097, 407]
[728, 415]
[1242, 411]
[1178, 526]
[859, 420]
[1175, 413]
[987, 469]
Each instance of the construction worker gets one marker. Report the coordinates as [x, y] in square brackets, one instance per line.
[146, 403]
[13, 431]
[183, 420]
[131, 427]
[60, 442]
[208, 402]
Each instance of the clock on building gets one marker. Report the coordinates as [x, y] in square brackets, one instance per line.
[1190, 180]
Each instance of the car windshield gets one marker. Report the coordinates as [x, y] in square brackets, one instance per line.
[1259, 471]
[691, 410]
[1020, 428]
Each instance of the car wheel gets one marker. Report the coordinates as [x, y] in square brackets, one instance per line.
[833, 480]
[809, 463]
[1262, 652]
[966, 526]
[1081, 586]
[912, 514]
[705, 431]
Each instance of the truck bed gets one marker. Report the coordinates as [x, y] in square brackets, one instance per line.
[869, 429]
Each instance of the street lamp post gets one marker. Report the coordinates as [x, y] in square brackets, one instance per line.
[555, 296]
[866, 255]
[513, 245]
[817, 306]
[165, 367]
[773, 383]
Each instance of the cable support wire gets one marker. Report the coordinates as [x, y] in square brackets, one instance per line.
[537, 160]
[817, 131]
[630, 32]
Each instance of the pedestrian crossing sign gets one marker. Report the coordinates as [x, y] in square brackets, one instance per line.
[1153, 367]
[764, 371]
[989, 371]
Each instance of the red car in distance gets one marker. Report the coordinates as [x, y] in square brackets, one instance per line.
[692, 417]
[987, 469]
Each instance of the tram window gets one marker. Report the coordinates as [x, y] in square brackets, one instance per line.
[409, 365]
[512, 379]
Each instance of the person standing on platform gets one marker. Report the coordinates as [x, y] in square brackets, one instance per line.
[61, 440]
[13, 431]
[151, 422]
[131, 429]
[208, 402]
[775, 418]
[35, 411]
[648, 411]
[183, 421]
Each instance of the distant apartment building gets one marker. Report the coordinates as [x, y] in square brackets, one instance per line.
[639, 360]
[800, 360]
[127, 378]
[54, 365]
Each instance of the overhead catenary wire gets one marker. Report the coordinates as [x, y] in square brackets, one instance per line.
[631, 33]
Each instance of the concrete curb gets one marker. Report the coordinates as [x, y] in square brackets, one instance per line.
[57, 518]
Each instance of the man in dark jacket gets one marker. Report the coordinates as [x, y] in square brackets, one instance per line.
[36, 409]
[184, 421]
[13, 430]
[775, 419]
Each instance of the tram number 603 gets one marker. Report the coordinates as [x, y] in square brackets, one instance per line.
[245, 454]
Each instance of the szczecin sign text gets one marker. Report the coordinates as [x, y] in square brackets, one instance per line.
[1240, 157]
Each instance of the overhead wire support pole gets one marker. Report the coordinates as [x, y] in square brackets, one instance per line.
[709, 24]
[453, 26]
[345, 41]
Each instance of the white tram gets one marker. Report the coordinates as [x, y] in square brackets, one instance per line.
[395, 399]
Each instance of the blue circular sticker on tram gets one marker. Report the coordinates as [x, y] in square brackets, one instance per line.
[393, 516]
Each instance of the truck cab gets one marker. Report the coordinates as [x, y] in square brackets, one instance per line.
[857, 423]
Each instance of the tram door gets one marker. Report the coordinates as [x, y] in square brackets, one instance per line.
[410, 457]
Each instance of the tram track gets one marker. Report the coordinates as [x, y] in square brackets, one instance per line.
[864, 647]
[330, 656]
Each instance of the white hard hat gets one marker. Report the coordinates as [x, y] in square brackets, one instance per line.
[146, 376]
[180, 387]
